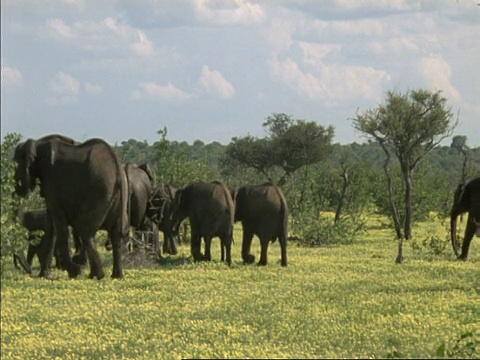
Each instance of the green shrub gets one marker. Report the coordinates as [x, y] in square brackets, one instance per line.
[322, 231]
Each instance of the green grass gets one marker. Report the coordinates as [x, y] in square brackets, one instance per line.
[336, 302]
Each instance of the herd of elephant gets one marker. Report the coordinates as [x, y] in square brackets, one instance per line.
[87, 189]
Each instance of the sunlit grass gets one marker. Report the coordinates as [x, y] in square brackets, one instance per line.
[336, 302]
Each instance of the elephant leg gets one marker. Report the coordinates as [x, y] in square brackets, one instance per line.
[226, 248]
[61, 234]
[222, 250]
[195, 246]
[263, 251]
[80, 256]
[469, 232]
[169, 244]
[208, 248]
[117, 240]
[31, 252]
[246, 244]
[173, 245]
[165, 245]
[283, 249]
[96, 267]
[45, 251]
[156, 240]
[20, 261]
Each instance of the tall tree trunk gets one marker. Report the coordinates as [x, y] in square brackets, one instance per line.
[343, 195]
[408, 178]
[391, 200]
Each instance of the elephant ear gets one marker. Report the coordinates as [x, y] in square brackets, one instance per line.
[145, 167]
[177, 200]
[47, 153]
[25, 157]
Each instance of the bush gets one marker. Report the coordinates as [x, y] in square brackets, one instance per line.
[322, 231]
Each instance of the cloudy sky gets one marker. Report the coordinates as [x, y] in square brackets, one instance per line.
[213, 70]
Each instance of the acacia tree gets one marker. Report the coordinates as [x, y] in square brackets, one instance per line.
[289, 145]
[408, 125]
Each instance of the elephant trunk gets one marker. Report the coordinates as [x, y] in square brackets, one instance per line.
[453, 233]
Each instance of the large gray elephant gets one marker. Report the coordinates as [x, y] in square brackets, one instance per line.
[140, 189]
[85, 187]
[210, 210]
[466, 199]
[160, 212]
[263, 211]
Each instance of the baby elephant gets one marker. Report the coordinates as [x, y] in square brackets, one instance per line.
[35, 220]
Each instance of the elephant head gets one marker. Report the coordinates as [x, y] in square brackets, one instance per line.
[26, 171]
[28, 156]
[178, 212]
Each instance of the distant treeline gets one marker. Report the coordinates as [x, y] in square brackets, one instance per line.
[444, 161]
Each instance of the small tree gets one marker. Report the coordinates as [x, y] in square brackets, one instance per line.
[409, 126]
[290, 144]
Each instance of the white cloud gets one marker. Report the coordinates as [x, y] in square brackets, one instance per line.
[213, 81]
[353, 5]
[59, 28]
[238, 12]
[438, 73]
[313, 53]
[144, 46]
[93, 89]
[64, 90]
[151, 90]
[11, 76]
[106, 36]
[331, 83]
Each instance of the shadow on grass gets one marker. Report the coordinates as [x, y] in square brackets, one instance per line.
[139, 260]
[173, 261]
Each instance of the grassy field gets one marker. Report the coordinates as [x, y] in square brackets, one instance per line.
[338, 302]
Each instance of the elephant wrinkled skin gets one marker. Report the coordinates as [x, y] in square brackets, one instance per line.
[263, 211]
[466, 199]
[210, 209]
[85, 187]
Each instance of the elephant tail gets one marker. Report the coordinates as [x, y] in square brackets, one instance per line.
[125, 195]
[453, 233]
[283, 211]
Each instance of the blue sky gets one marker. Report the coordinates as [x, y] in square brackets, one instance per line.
[213, 70]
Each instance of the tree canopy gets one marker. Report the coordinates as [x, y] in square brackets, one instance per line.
[289, 145]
